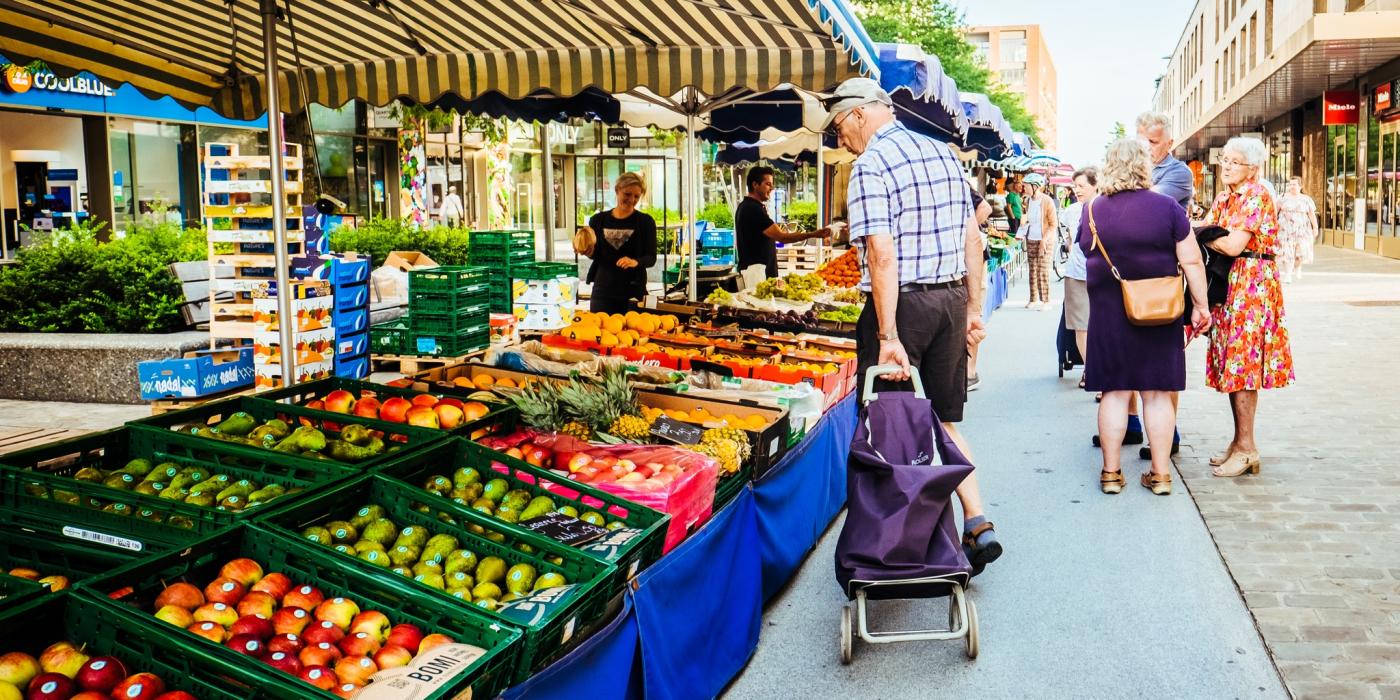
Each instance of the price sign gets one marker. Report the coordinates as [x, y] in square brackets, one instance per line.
[564, 528]
[676, 431]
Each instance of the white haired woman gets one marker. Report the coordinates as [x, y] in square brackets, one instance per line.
[1249, 347]
[625, 248]
[1297, 223]
[1145, 235]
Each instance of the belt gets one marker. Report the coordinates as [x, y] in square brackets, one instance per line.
[920, 287]
[1256, 256]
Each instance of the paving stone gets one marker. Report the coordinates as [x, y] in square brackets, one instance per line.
[1359, 673]
[1333, 691]
[1319, 633]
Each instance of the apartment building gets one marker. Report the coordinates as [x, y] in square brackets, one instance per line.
[1019, 57]
[1316, 80]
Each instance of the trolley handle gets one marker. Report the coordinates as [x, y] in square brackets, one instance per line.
[877, 370]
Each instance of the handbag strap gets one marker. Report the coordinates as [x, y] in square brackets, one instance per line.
[1094, 229]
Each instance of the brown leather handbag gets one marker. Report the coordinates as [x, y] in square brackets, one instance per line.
[1156, 301]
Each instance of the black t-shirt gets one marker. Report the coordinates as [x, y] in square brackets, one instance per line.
[755, 248]
[633, 237]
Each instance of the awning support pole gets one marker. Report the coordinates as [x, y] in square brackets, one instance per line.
[286, 324]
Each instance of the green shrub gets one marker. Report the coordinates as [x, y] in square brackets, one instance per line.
[378, 237]
[802, 216]
[719, 214]
[69, 282]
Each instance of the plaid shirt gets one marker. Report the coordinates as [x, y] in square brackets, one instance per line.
[910, 187]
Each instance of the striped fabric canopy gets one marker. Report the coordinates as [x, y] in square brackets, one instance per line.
[210, 52]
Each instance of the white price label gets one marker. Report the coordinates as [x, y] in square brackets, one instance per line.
[428, 673]
[568, 631]
[102, 538]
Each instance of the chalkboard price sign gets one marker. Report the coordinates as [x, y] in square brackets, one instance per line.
[564, 528]
[676, 431]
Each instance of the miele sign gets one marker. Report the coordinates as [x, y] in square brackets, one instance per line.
[1340, 107]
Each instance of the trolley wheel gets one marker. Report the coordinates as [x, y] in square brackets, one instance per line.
[972, 637]
[847, 640]
[952, 613]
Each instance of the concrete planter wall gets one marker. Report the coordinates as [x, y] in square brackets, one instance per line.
[84, 367]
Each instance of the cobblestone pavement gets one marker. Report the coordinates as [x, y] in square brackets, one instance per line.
[1313, 542]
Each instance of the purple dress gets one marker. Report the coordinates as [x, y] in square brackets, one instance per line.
[1140, 229]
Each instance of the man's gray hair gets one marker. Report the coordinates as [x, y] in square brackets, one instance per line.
[1147, 120]
[1252, 150]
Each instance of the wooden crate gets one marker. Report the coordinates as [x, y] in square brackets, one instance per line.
[409, 365]
[803, 259]
[160, 406]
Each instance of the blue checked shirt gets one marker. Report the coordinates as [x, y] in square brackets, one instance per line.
[911, 187]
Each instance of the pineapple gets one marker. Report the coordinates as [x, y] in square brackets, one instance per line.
[724, 451]
[577, 429]
[631, 428]
[540, 406]
[734, 435]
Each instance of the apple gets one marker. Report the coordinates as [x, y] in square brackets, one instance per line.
[286, 642]
[433, 640]
[449, 416]
[630, 477]
[255, 625]
[175, 695]
[392, 657]
[322, 631]
[141, 686]
[175, 615]
[218, 613]
[473, 410]
[645, 470]
[304, 597]
[373, 622]
[579, 461]
[184, 595]
[64, 658]
[422, 417]
[515, 452]
[367, 407]
[55, 583]
[360, 644]
[25, 573]
[425, 400]
[275, 584]
[355, 669]
[340, 401]
[246, 644]
[406, 636]
[211, 631]
[290, 621]
[257, 603]
[284, 662]
[341, 611]
[320, 654]
[243, 570]
[85, 695]
[18, 668]
[395, 410]
[102, 674]
[347, 690]
[52, 686]
[319, 676]
[448, 401]
[224, 590]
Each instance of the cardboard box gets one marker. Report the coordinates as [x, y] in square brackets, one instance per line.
[269, 376]
[199, 373]
[312, 346]
[391, 278]
[505, 330]
[311, 314]
[560, 290]
[543, 317]
[405, 260]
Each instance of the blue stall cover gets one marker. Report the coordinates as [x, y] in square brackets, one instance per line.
[926, 98]
[606, 664]
[987, 131]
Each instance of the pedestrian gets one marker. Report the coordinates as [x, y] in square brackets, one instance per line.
[982, 211]
[757, 235]
[911, 216]
[1297, 222]
[1039, 231]
[452, 213]
[625, 249]
[1076, 293]
[1249, 348]
[1129, 232]
[1015, 207]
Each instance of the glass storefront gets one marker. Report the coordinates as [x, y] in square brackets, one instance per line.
[354, 168]
[1339, 205]
[1387, 168]
[151, 164]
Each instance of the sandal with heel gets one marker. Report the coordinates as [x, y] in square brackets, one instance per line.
[1238, 463]
[1217, 460]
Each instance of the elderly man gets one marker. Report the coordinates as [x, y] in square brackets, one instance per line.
[912, 218]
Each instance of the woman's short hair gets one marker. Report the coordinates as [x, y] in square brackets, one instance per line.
[626, 180]
[1126, 167]
[1089, 173]
[1251, 150]
[1296, 179]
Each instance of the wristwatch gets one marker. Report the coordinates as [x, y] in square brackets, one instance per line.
[892, 335]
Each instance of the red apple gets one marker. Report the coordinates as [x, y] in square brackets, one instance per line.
[395, 410]
[175, 615]
[224, 590]
[372, 622]
[347, 690]
[341, 611]
[392, 657]
[284, 662]
[340, 401]
[254, 625]
[422, 417]
[473, 410]
[355, 669]
[433, 640]
[275, 584]
[367, 407]
[360, 644]
[85, 695]
[102, 673]
[218, 613]
[175, 695]
[286, 642]
[427, 400]
[319, 676]
[184, 595]
[449, 416]
[141, 686]
[321, 654]
[64, 658]
[52, 686]
[322, 631]
[406, 636]
[448, 401]
[579, 461]
[211, 631]
[243, 570]
[290, 620]
[304, 597]
[246, 644]
[258, 603]
[514, 452]
[18, 668]
[25, 573]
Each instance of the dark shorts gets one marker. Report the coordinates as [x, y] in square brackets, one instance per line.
[932, 326]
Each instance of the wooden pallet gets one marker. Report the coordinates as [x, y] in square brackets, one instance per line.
[16, 439]
[409, 365]
[167, 405]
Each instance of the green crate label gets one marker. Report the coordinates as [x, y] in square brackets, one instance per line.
[425, 675]
[78, 533]
[535, 608]
[610, 547]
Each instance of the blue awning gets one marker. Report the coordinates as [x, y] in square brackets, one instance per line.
[926, 99]
[988, 131]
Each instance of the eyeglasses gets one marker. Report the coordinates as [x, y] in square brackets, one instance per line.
[836, 124]
[1227, 163]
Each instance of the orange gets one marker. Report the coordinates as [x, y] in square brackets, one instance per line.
[483, 381]
[463, 382]
[506, 381]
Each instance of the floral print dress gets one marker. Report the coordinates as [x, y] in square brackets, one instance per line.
[1249, 341]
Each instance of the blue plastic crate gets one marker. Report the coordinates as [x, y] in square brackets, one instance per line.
[715, 260]
[349, 271]
[352, 296]
[350, 322]
[352, 367]
[352, 345]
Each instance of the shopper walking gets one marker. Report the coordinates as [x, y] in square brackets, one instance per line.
[452, 213]
[911, 216]
[1076, 292]
[1297, 223]
[1039, 231]
[1015, 207]
[1249, 348]
[625, 249]
[1129, 232]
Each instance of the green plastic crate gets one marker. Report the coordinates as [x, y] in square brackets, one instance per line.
[544, 271]
[500, 418]
[136, 586]
[388, 338]
[397, 436]
[729, 487]
[49, 555]
[100, 631]
[545, 639]
[447, 278]
[501, 260]
[449, 304]
[468, 324]
[449, 345]
[629, 550]
[514, 239]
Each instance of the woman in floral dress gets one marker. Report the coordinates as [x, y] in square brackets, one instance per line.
[1249, 344]
[1297, 221]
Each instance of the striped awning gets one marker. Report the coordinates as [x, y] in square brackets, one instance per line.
[210, 52]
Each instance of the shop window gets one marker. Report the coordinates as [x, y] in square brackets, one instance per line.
[147, 165]
[340, 176]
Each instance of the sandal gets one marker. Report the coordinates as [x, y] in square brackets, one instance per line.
[1112, 482]
[1158, 484]
[1081, 383]
[981, 556]
[1217, 460]
[1238, 463]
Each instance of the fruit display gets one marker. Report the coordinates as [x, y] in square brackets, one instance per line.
[792, 287]
[172, 481]
[53, 582]
[719, 297]
[354, 443]
[842, 271]
[63, 671]
[488, 383]
[617, 330]
[845, 314]
[848, 296]
[586, 410]
[422, 410]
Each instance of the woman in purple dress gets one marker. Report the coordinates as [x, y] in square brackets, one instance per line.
[1146, 235]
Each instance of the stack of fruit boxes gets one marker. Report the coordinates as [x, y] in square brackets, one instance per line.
[544, 295]
[501, 251]
[449, 311]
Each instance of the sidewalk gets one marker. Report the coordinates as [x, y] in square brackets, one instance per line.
[1313, 542]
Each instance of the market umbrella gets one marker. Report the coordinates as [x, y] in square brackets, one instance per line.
[926, 98]
[988, 132]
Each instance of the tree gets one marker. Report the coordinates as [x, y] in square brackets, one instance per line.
[1118, 131]
[937, 27]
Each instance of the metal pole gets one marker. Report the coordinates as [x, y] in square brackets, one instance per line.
[692, 208]
[548, 193]
[286, 324]
[821, 195]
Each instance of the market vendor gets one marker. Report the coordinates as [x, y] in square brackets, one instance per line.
[757, 235]
[625, 248]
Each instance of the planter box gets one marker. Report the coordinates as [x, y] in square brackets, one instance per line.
[85, 367]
